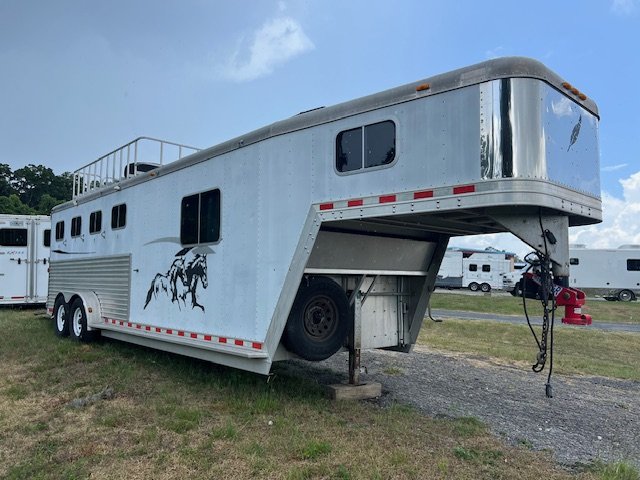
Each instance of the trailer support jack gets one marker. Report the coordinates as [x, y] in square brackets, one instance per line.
[355, 389]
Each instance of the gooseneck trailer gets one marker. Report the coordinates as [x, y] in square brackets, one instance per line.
[325, 230]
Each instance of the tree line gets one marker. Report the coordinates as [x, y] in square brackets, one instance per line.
[32, 190]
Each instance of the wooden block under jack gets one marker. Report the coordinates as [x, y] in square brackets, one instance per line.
[346, 391]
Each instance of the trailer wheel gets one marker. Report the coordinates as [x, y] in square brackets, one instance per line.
[61, 317]
[473, 286]
[625, 295]
[485, 287]
[319, 321]
[78, 323]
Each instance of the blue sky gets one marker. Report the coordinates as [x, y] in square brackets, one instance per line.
[79, 78]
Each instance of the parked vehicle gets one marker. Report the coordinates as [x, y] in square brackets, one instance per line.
[24, 257]
[475, 270]
[325, 230]
[610, 273]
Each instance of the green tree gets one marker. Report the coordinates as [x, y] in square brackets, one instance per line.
[12, 204]
[5, 180]
[46, 204]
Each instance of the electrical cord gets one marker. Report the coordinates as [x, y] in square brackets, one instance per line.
[543, 263]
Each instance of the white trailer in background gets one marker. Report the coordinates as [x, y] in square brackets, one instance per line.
[325, 230]
[24, 257]
[610, 273]
[482, 271]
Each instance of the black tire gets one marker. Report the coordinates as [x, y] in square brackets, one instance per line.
[61, 317]
[474, 287]
[485, 287]
[625, 295]
[78, 323]
[319, 321]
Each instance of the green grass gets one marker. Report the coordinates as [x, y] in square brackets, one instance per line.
[175, 417]
[601, 311]
[577, 351]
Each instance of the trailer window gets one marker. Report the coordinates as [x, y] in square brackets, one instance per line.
[486, 268]
[13, 237]
[633, 264]
[364, 147]
[47, 238]
[119, 216]
[60, 230]
[76, 226]
[473, 267]
[574, 261]
[95, 222]
[200, 218]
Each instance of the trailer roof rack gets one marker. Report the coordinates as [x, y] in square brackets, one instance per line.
[138, 156]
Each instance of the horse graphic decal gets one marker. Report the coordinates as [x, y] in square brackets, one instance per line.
[180, 283]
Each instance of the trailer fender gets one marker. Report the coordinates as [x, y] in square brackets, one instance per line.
[91, 307]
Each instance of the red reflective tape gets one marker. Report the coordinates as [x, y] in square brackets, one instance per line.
[194, 335]
[138, 326]
[239, 342]
[169, 331]
[158, 330]
[207, 338]
[326, 206]
[387, 198]
[180, 333]
[113, 321]
[129, 324]
[423, 194]
[17, 298]
[147, 328]
[121, 323]
[256, 345]
[355, 203]
[222, 340]
[464, 189]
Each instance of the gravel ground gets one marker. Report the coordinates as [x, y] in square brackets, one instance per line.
[588, 418]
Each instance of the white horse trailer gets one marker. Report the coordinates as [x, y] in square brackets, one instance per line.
[477, 271]
[611, 273]
[24, 257]
[325, 230]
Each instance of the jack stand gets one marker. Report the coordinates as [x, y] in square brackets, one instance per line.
[355, 390]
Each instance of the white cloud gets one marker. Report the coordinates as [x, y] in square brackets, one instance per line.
[613, 168]
[623, 7]
[277, 41]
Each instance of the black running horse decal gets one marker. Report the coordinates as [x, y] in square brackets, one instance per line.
[181, 280]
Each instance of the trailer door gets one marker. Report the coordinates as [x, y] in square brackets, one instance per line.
[14, 237]
[40, 261]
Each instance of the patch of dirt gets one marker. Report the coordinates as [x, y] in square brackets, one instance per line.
[588, 418]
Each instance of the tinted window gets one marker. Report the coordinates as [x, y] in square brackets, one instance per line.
[380, 142]
[349, 150]
[189, 220]
[13, 237]
[76, 226]
[633, 264]
[574, 261]
[364, 147]
[60, 230]
[473, 267]
[47, 238]
[486, 268]
[200, 218]
[119, 216]
[95, 222]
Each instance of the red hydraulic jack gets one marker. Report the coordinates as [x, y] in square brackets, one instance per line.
[572, 300]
